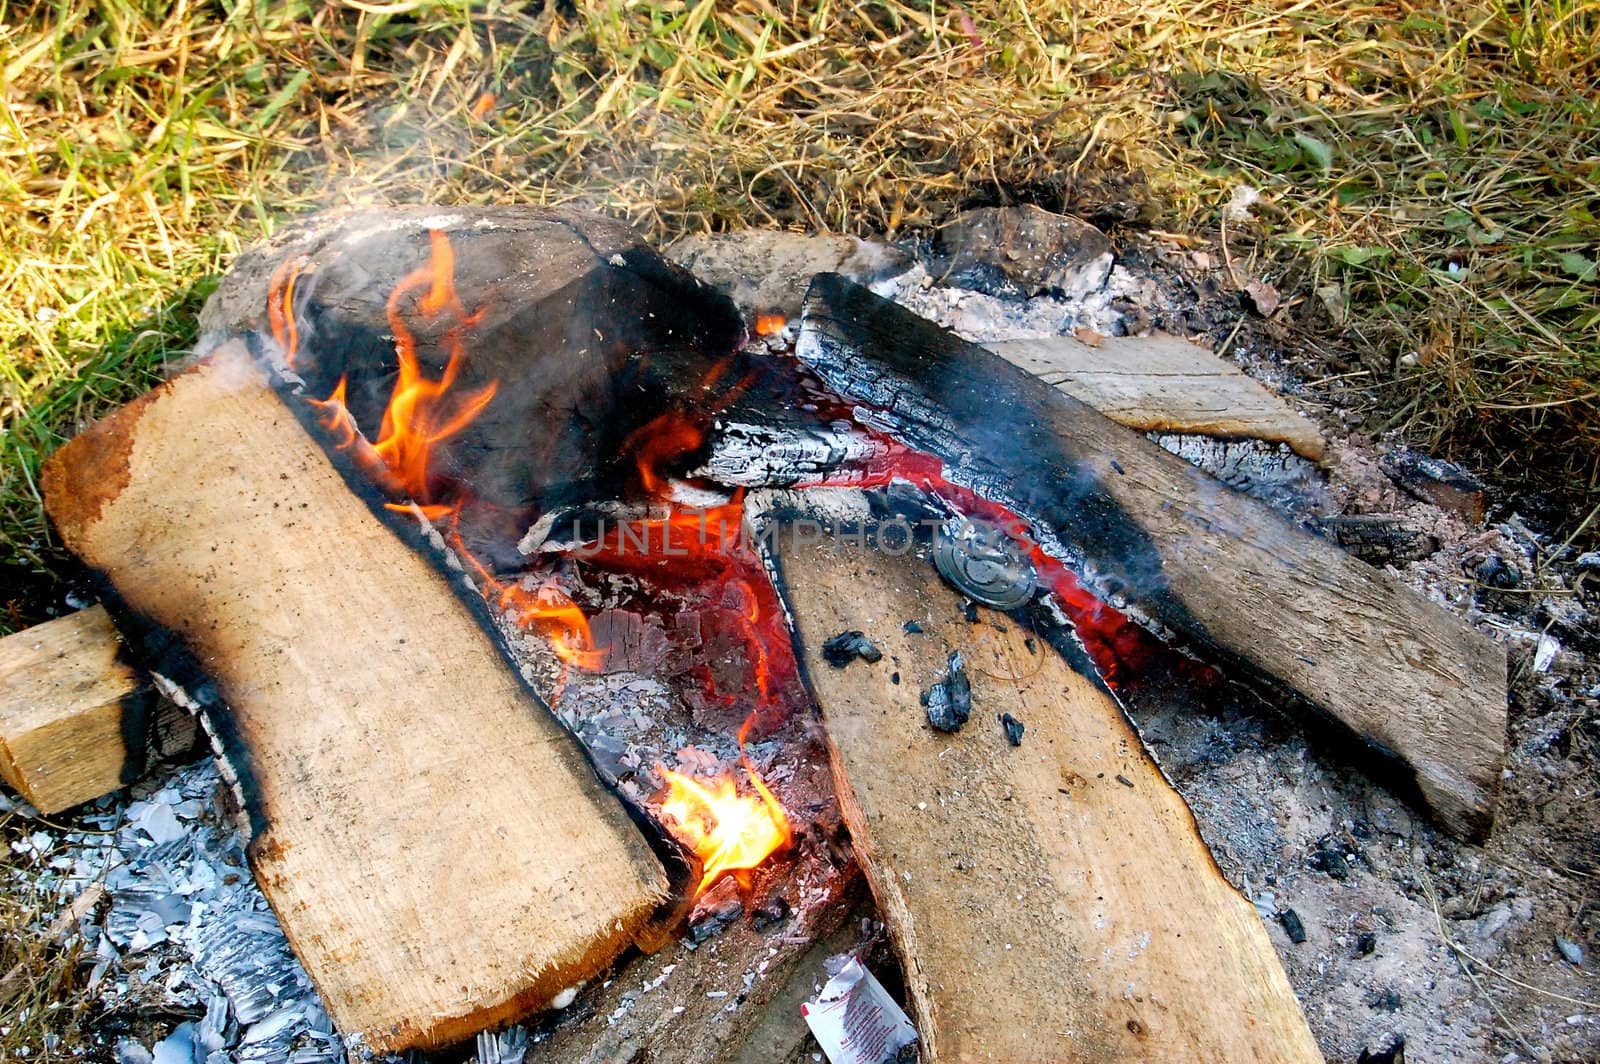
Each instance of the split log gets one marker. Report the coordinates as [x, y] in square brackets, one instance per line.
[1314, 626]
[437, 847]
[734, 997]
[77, 720]
[1051, 901]
[1164, 384]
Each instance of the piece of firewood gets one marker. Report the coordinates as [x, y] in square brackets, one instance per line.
[437, 847]
[76, 719]
[1185, 553]
[734, 997]
[1051, 901]
[1164, 383]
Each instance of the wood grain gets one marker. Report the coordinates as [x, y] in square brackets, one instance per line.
[69, 709]
[1051, 901]
[1164, 383]
[1314, 627]
[437, 848]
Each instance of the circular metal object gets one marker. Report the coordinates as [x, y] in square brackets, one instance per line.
[984, 563]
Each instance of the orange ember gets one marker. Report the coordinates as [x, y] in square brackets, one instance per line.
[483, 105]
[730, 832]
[770, 324]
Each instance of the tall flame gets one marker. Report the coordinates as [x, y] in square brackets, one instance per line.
[421, 414]
[730, 832]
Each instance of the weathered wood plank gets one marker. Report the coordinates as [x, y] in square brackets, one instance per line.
[1051, 901]
[1164, 383]
[76, 720]
[1189, 555]
[438, 849]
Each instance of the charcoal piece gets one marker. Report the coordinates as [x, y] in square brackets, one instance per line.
[949, 701]
[712, 923]
[1292, 926]
[894, 678]
[1435, 480]
[772, 912]
[1377, 539]
[970, 609]
[1387, 1000]
[1392, 1053]
[845, 647]
[1493, 572]
[1366, 944]
[1013, 727]
[911, 628]
[1331, 858]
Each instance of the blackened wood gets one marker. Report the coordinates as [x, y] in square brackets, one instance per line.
[1186, 553]
[585, 331]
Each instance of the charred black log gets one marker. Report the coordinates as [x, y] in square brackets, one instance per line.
[1183, 552]
[586, 334]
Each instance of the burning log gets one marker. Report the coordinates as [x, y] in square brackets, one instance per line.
[1181, 551]
[77, 720]
[1050, 901]
[439, 850]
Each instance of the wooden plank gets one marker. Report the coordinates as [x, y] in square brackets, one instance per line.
[439, 851]
[1051, 901]
[1164, 383]
[1315, 627]
[76, 719]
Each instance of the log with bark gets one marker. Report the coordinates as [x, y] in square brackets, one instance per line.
[1181, 551]
[1050, 900]
[438, 849]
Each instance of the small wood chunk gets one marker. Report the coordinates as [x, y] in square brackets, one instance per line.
[1164, 384]
[75, 718]
[440, 852]
[1051, 901]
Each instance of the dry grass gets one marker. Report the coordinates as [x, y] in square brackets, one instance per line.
[1436, 163]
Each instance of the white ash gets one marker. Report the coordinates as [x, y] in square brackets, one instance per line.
[187, 931]
[982, 318]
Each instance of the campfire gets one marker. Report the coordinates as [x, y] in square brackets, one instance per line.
[505, 562]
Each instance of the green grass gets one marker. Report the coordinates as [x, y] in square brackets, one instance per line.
[1433, 165]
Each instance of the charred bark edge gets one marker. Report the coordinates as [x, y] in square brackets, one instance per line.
[682, 869]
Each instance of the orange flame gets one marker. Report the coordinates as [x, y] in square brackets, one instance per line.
[658, 442]
[422, 413]
[730, 832]
[280, 307]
